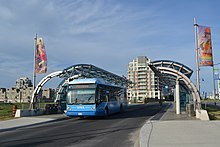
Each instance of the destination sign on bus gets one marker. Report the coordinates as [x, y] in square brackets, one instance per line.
[81, 86]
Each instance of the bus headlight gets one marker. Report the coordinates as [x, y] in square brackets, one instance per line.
[68, 108]
[93, 107]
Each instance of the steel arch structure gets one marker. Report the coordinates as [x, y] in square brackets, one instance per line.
[79, 71]
[90, 71]
[170, 71]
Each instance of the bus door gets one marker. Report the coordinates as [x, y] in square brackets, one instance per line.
[102, 98]
[108, 100]
[113, 102]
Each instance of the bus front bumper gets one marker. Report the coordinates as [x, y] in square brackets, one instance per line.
[85, 113]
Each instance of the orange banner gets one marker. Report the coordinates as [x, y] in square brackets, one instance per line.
[205, 46]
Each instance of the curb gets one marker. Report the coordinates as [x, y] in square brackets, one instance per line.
[145, 133]
[147, 128]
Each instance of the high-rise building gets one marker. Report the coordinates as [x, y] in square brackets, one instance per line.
[145, 83]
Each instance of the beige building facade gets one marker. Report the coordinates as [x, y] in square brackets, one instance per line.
[22, 92]
[145, 83]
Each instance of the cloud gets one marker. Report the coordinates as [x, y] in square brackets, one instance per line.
[5, 13]
[107, 34]
[95, 32]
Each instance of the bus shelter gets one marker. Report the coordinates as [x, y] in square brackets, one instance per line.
[177, 76]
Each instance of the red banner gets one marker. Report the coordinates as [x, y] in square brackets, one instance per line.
[40, 57]
[205, 46]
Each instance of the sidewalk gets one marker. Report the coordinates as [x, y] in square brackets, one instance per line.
[28, 121]
[174, 130]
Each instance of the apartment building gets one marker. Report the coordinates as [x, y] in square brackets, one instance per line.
[145, 83]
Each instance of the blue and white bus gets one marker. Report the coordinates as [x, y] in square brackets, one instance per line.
[94, 97]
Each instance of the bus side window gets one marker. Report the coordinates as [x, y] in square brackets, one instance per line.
[112, 97]
[103, 96]
[98, 96]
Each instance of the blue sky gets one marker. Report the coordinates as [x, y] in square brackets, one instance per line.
[105, 33]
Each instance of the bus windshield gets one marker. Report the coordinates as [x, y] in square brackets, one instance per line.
[81, 96]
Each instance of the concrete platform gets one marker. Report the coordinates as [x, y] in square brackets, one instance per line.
[180, 133]
[174, 130]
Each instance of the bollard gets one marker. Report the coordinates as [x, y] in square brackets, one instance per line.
[190, 110]
[14, 109]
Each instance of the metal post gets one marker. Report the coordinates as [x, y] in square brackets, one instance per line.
[34, 74]
[177, 97]
[197, 56]
[214, 89]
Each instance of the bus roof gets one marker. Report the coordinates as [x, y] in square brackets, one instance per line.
[88, 81]
[91, 81]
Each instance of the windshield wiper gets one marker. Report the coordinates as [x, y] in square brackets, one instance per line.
[76, 101]
[89, 98]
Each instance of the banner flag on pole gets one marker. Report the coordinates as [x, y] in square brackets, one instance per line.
[205, 46]
[216, 74]
[40, 57]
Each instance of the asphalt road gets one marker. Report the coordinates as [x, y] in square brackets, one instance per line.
[119, 130]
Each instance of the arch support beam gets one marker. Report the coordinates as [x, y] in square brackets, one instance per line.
[179, 75]
[184, 78]
[40, 85]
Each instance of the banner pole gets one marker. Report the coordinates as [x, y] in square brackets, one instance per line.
[197, 56]
[34, 73]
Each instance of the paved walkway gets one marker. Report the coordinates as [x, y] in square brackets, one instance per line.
[27, 121]
[174, 130]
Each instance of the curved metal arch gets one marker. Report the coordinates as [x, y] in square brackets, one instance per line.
[187, 81]
[173, 65]
[89, 70]
[41, 84]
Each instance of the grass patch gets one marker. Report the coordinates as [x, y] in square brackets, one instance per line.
[6, 109]
[209, 100]
[213, 111]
